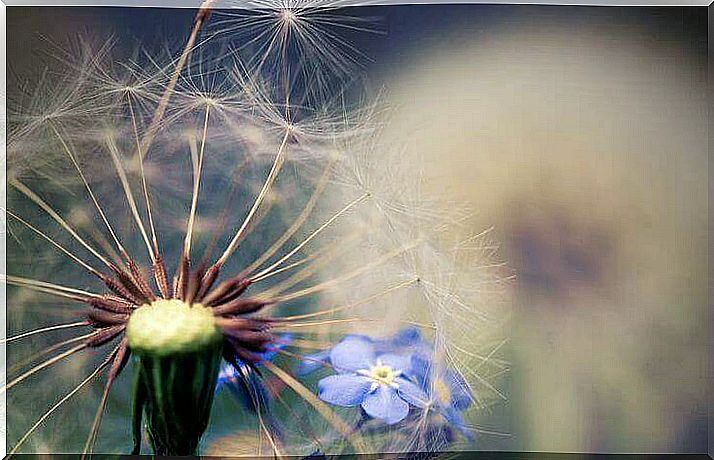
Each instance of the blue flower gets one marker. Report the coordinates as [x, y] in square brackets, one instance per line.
[448, 393]
[378, 382]
[443, 390]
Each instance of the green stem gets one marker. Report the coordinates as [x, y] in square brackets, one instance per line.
[175, 393]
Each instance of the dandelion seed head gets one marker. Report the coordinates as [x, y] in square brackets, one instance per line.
[287, 15]
[278, 186]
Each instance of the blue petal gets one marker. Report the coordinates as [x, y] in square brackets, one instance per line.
[346, 390]
[311, 363]
[396, 362]
[411, 393]
[226, 376]
[353, 353]
[385, 404]
[283, 341]
[421, 369]
[460, 394]
[406, 340]
[455, 419]
[406, 337]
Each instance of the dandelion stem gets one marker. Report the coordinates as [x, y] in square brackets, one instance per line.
[51, 288]
[201, 17]
[317, 259]
[311, 344]
[306, 358]
[327, 322]
[16, 367]
[290, 326]
[52, 292]
[348, 276]
[103, 243]
[263, 426]
[302, 261]
[122, 353]
[351, 305]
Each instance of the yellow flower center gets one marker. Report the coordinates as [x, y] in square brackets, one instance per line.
[383, 374]
[170, 326]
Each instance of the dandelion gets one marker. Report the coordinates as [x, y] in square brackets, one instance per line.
[296, 41]
[178, 224]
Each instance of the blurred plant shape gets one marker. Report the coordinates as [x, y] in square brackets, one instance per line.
[449, 394]
[298, 189]
[590, 214]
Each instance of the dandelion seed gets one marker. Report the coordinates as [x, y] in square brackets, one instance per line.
[296, 42]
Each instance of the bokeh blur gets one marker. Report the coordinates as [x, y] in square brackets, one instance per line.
[580, 135]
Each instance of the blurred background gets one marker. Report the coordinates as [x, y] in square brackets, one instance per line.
[580, 135]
